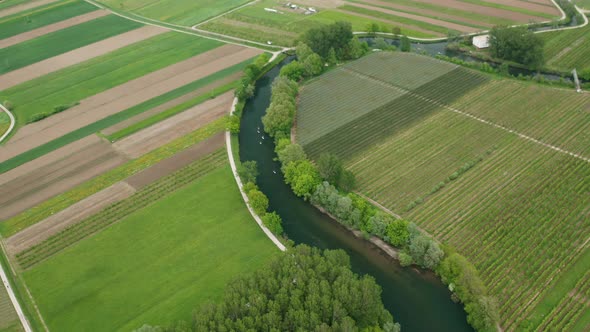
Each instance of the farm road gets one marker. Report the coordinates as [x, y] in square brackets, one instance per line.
[25, 6]
[76, 56]
[126, 95]
[52, 28]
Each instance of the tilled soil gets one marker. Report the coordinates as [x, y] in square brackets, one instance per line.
[24, 6]
[449, 25]
[52, 28]
[489, 11]
[176, 162]
[167, 105]
[40, 184]
[124, 96]
[529, 6]
[65, 218]
[76, 56]
[177, 126]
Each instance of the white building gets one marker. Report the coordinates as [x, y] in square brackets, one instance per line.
[482, 41]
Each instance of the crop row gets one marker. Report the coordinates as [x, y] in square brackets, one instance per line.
[570, 307]
[119, 210]
[569, 49]
[508, 205]
[554, 116]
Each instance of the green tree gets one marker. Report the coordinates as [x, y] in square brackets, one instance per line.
[278, 118]
[258, 201]
[372, 29]
[291, 153]
[405, 259]
[233, 124]
[284, 85]
[346, 181]
[323, 38]
[397, 233]
[405, 44]
[273, 222]
[302, 289]
[330, 167]
[313, 65]
[248, 171]
[294, 71]
[396, 30]
[332, 59]
[303, 177]
[303, 51]
[517, 44]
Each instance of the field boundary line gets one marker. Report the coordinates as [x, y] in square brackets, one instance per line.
[184, 30]
[19, 311]
[12, 122]
[234, 170]
[225, 13]
[487, 122]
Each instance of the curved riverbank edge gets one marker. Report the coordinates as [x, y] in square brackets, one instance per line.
[232, 163]
[12, 123]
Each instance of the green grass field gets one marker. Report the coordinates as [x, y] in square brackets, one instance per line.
[8, 318]
[569, 49]
[182, 12]
[442, 150]
[9, 3]
[83, 80]
[39, 17]
[585, 4]
[156, 265]
[40, 48]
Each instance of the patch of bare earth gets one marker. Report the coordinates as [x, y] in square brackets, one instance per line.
[320, 3]
[167, 105]
[448, 25]
[24, 6]
[76, 56]
[483, 10]
[177, 126]
[528, 6]
[124, 96]
[176, 162]
[65, 218]
[433, 13]
[52, 28]
[39, 184]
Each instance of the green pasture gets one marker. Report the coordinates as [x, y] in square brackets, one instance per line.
[42, 16]
[83, 80]
[585, 4]
[55, 43]
[156, 265]
[182, 12]
[8, 318]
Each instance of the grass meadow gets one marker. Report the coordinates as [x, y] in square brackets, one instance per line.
[38, 17]
[568, 49]
[156, 265]
[463, 155]
[181, 12]
[10, 3]
[55, 43]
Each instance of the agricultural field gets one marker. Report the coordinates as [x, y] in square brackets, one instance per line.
[569, 49]
[39, 17]
[183, 12]
[496, 168]
[175, 236]
[272, 20]
[59, 42]
[8, 318]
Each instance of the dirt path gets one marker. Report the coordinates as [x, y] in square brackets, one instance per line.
[37, 185]
[24, 6]
[76, 56]
[75, 213]
[433, 13]
[170, 104]
[172, 128]
[52, 28]
[176, 162]
[124, 96]
[449, 25]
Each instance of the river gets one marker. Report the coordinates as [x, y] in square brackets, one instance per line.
[416, 298]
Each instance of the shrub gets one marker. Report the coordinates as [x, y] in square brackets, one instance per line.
[233, 124]
[293, 71]
[8, 105]
[258, 201]
[248, 171]
[405, 259]
[273, 222]
[397, 233]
